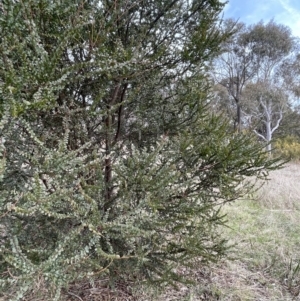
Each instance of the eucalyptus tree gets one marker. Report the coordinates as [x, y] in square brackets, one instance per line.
[264, 109]
[233, 68]
[255, 54]
[268, 99]
[111, 163]
[270, 44]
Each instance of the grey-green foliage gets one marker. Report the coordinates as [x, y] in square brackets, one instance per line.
[254, 54]
[111, 163]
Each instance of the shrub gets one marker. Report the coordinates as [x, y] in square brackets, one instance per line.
[111, 162]
[288, 147]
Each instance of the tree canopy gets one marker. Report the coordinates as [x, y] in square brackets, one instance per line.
[254, 74]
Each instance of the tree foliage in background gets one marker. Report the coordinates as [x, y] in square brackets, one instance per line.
[256, 57]
[233, 68]
[268, 100]
[111, 162]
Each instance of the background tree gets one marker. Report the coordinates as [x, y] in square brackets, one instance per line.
[233, 68]
[111, 163]
[271, 44]
[288, 134]
[265, 106]
[255, 55]
[290, 124]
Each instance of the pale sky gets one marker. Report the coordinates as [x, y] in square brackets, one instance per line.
[286, 12]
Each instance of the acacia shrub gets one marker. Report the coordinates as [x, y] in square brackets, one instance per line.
[111, 162]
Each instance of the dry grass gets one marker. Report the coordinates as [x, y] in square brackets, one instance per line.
[266, 234]
[283, 190]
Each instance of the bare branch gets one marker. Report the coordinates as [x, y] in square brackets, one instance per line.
[278, 122]
[260, 135]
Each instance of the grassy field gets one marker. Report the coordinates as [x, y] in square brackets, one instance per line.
[266, 234]
[265, 257]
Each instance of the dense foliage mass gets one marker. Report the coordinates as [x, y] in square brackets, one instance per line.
[111, 161]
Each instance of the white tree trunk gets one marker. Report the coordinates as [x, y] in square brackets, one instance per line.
[267, 113]
[268, 135]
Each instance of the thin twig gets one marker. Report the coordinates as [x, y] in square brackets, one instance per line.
[72, 294]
